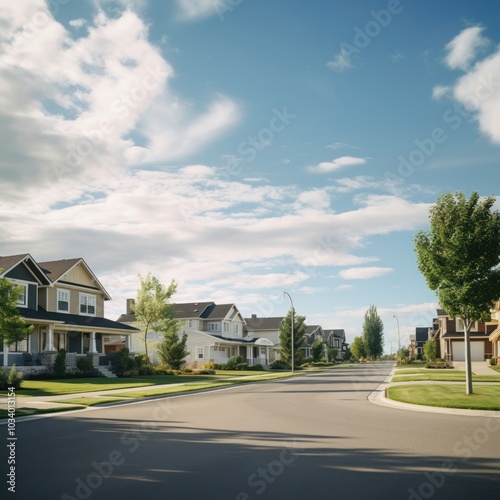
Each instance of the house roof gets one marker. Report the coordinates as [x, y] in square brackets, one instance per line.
[219, 311]
[441, 312]
[193, 310]
[54, 269]
[311, 329]
[74, 320]
[256, 324]
[460, 335]
[10, 261]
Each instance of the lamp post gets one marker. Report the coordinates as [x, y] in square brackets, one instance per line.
[399, 340]
[292, 339]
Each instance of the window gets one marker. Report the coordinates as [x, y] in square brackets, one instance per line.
[190, 323]
[213, 327]
[461, 328]
[236, 329]
[87, 304]
[21, 346]
[23, 296]
[62, 300]
[226, 326]
[200, 352]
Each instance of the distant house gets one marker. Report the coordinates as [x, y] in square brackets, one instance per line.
[215, 332]
[450, 335]
[64, 301]
[313, 333]
[336, 339]
[422, 335]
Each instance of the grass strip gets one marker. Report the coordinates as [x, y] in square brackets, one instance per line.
[447, 396]
[23, 412]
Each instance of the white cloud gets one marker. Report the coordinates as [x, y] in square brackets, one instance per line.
[364, 273]
[78, 23]
[463, 48]
[337, 164]
[478, 90]
[80, 102]
[341, 61]
[439, 91]
[198, 9]
[340, 145]
[342, 288]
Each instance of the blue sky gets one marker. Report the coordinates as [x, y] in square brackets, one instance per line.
[246, 147]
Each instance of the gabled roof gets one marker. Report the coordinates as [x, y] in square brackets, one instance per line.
[310, 329]
[255, 324]
[339, 333]
[193, 310]
[9, 262]
[441, 312]
[56, 269]
[219, 311]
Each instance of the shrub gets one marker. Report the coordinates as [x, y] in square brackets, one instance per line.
[232, 363]
[146, 370]
[84, 364]
[493, 361]
[258, 368]
[130, 373]
[242, 366]
[60, 363]
[14, 378]
[210, 365]
[162, 370]
[121, 362]
[204, 372]
[4, 376]
[142, 360]
[280, 364]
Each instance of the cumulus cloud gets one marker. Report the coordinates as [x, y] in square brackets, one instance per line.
[79, 102]
[198, 9]
[478, 89]
[439, 91]
[341, 61]
[337, 164]
[462, 50]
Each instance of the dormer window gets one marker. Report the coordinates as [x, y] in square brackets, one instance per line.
[22, 300]
[62, 301]
[87, 304]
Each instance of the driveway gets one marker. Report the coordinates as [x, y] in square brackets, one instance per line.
[478, 367]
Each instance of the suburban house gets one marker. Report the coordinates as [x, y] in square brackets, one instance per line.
[337, 340]
[313, 333]
[64, 301]
[450, 337]
[422, 335]
[494, 336]
[215, 332]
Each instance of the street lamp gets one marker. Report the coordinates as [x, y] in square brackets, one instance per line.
[399, 340]
[292, 339]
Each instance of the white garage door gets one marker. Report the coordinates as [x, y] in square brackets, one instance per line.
[476, 351]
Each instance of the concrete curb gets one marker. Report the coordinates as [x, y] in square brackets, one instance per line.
[378, 397]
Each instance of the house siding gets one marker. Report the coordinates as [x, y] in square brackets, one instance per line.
[79, 275]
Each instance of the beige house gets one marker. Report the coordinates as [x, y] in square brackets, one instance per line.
[64, 301]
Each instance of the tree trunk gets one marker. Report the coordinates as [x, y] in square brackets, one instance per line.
[468, 365]
[146, 343]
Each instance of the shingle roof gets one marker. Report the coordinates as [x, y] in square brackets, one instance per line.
[311, 329]
[256, 324]
[6, 262]
[54, 269]
[74, 319]
[10, 261]
[193, 310]
[219, 311]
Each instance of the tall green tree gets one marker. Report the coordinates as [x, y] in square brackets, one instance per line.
[299, 330]
[358, 349]
[373, 333]
[152, 307]
[430, 350]
[13, 328]
[459, 258]
[172, 350]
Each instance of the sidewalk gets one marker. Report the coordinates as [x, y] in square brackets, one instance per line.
[47, 402]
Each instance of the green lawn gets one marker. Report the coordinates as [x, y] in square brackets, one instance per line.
[447, 396]
[439, 375]
[31, 411]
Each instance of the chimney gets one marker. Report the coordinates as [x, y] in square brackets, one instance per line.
[254, 316]
[130, 304]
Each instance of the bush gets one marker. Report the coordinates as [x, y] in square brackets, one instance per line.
[14, 378]
[4, 376]
[187, 371]
[258, 368]
[130, 373]
[242, 366]
[121, 362]
[232, 363]
[60, 364]
[204, 372]
[210, 365]
[493, 362]
[146, 370]
[84, 364]
[280, 364]
[162, 370]
[142, 360]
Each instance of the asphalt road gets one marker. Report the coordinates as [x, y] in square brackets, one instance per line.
[313, 437]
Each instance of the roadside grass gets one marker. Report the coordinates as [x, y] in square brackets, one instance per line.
[496, 368]
[447, 396]
[440, 375]
[60, 387]
[83, 401]
[23, 412]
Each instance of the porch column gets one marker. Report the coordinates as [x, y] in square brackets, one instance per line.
[92, 346]
[50, 338]
[127, 342]
[249, 355]
[267, 355]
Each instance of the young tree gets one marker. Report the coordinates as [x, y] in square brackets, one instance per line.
[13, 328]
[172, 349]
[459, 258]
[373, 333]
[358, 348]
[152, 307]
[332, 352]
[299, 329]
[430, 350]
[317, 350]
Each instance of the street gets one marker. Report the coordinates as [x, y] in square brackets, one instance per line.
[313, 436]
